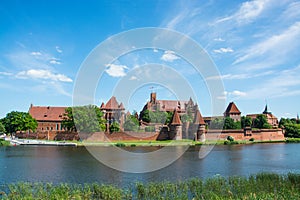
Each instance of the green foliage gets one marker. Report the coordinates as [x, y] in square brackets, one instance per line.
[251, 139]
[84, 119]
[120, 145]
[261, 122]
[2, 128]
[216, 123]
[4, 142]
[292, 130]
[19, 121]
[230, 138]
[131, 123]
[259, 186]
[186, 118]
[150, 128]
[246, 121]
[231, 124]
[155, 117]
[114, 127]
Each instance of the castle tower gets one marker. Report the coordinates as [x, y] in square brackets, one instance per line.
[176, 127]
[199, 127]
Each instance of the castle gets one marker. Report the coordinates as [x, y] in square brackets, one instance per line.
[50, 118]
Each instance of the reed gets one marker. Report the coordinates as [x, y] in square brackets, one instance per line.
[259, 186]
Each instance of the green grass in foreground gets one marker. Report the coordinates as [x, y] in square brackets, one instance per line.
[260, 186]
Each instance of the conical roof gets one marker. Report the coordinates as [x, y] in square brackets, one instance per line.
[112, 103]
[198, 118]
[176, 119]
[232, 109]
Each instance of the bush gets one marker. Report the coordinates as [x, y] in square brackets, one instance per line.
[230, 138]
[251, 139]
[150, 128]
[120, 145]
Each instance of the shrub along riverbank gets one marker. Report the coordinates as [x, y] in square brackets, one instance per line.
[260, 186]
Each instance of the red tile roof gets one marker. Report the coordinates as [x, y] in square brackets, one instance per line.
[198, 118]
[112, 104]
[232, 109]
[47, 113]
[176, 119]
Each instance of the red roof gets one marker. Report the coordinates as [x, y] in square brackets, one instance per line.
[112, 104]
[176, 119]
[232, 109]
[47, 113]
[198, 118]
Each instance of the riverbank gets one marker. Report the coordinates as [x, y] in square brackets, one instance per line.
[184, 142]
[259, 186]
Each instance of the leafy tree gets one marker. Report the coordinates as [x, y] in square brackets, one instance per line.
[19, 121]
[131, 123]
[261, 122]
[186, 118]
[169, 117]
[114, 127]
[229, 123]
[216, 123]
[2, 128]
[155, 117]
[246, 121]
[84, 119]
[292, 130]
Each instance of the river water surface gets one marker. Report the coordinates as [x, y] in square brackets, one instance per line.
[76, 165]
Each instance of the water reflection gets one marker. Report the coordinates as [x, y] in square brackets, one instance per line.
[76, 165]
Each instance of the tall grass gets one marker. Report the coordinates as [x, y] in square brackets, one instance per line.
[260, 186]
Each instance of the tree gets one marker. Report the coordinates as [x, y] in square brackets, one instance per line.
[131, 123]
[261, 122]
[2, 128]
[246, 122]
[114, 127]
[186, 118]
[155, 117]
[19, 121]
[84, 119]
[217, 123]
[292, 130]
[229, 123]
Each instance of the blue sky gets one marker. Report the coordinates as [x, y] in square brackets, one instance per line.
[254, 44]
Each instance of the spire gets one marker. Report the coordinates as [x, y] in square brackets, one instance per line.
[176, 119]
[297, 118]
[198, 118]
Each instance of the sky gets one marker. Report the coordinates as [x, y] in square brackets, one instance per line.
[254, 45]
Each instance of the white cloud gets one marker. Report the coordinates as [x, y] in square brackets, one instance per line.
[155, 50]
[55, 62]
[132, 78]
[58, 49]
[240, 76]
[219, 39]
[42, 74]
[247, 12]
[274, 50]
[36, 53]
[115, 70]
[237, 93]
[224, 50]
[169, 56]
[6, 73]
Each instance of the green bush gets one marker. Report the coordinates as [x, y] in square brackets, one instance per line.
[150, 128]
[251, 139]
[230, 138]
[120, 145]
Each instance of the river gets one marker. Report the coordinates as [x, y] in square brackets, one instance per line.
[76, 165]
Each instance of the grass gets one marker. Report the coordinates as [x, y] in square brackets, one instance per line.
[259, 186]
[4, 143]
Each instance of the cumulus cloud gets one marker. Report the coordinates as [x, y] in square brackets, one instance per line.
[115, 70]
[169, 56]
[224, 50]
[42, 74]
